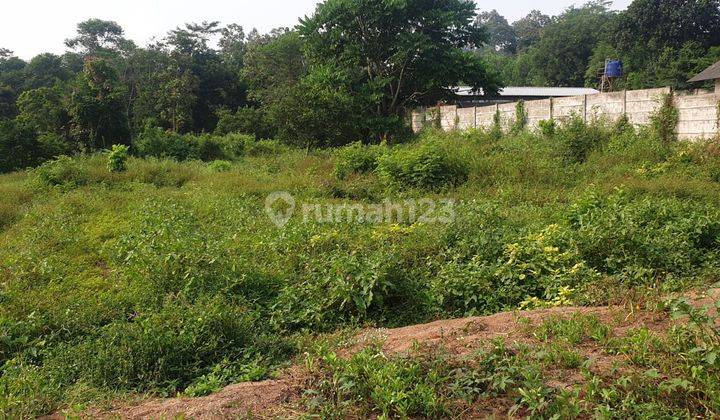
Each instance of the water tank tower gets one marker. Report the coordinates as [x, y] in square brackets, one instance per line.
[610, 74]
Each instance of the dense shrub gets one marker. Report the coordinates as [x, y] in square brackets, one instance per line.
[251, 121]
[578, 139]
[665, 120]
[429, 165]
[220, 165]
[341, 289]
[155, 142]
[63, 171]
[21, 147]
[666, 235]
[166, 349]
[356, 158]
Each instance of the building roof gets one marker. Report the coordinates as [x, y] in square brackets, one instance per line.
[543, 92]
[710, 73]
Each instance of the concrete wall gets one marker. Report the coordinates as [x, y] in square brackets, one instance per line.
[699, 112]
[641, 104]
[698, 116]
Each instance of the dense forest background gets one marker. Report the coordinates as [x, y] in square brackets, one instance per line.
[343, 74]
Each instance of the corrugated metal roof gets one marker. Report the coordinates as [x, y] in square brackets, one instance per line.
[710, 73]
[533, 91]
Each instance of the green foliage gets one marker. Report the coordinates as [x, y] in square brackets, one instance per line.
[220, 165]
[617, 233]
[547, 128]
[168, 278]
[431, 165]
[246, 121]
[402, 57]
[665, 120]
[521, 117]
[20, 147]
[577, 139]
[117, 158]
[63, 171]
[357, 158]
[97, 106]
[158, 143]
[496, 131]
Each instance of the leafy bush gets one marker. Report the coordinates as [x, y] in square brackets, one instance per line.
[666, 235]
[356, 158]
[21, 147]
[521, 118]
[547, 128]
[220, 165]
[430, 165]
[117, 158]
[578, 139]
[251, 121]
[62, 171]
[154, 142]
[166, 349]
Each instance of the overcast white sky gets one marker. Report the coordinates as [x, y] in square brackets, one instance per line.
[30, 27]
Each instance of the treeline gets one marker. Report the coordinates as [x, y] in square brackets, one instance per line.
[661, 43]
[343, 74]
[347, 72]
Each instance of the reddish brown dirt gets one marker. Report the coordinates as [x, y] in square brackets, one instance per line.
[273, 399]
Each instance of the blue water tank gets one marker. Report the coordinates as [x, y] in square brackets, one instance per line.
[614, 68]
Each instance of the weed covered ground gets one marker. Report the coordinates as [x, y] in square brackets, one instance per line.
[169, 279]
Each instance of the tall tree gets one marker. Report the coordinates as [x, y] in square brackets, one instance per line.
[44, 110]
[565, 48]
[273, 64]
[530, 28]
[399, 53]
[97, 106]
[45, 70]
[502, 37]
[96, 36]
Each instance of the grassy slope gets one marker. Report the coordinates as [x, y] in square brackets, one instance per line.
[170, 277]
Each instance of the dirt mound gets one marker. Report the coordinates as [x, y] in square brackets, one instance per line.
[236, 401]
[273, 398]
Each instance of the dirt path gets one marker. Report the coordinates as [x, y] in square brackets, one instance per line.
[460, 336]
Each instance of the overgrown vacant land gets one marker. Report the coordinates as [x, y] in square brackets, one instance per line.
[169, 278]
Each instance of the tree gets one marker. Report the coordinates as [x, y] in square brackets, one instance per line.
[319, 111]
[175, 101]
[21, 147]
[232, 45]
[193, 39]
[564, 50]
[398, 54]
[502, 35]
[668, 45]
[96, 36]
[657, 24]
[43, 109]
[218, 85]
[273, 64]
[529, 29]
[45, 70]
[97, 108]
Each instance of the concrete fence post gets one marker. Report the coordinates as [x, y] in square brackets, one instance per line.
[475, 117]
[624, 102]
[552, 109]
[585, 118]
